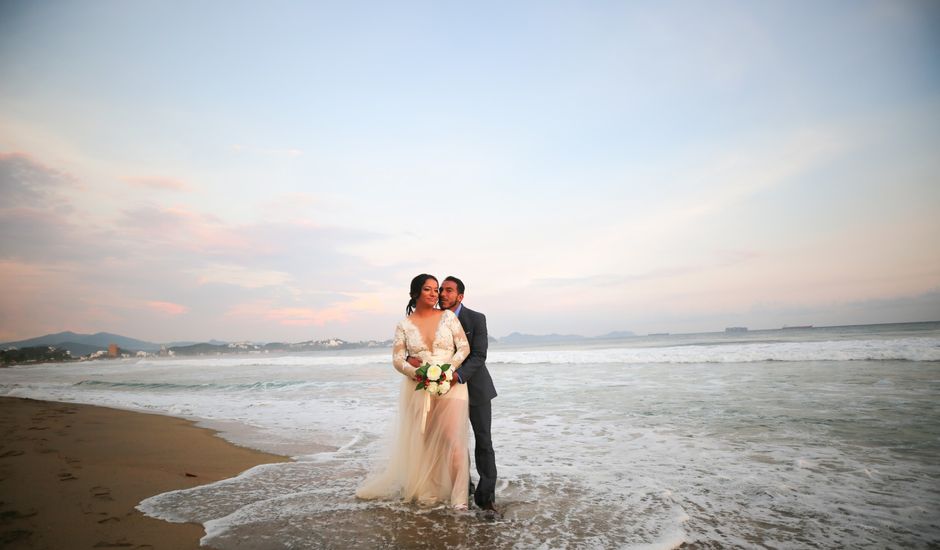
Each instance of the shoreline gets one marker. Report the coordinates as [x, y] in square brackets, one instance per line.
[71, 475]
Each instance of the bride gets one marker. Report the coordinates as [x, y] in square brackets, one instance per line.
[429, 462]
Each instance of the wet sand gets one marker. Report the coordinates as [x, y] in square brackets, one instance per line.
[71, 475]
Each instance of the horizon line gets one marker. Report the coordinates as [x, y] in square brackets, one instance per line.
[600, 336]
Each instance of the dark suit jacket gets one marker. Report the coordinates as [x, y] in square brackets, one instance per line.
[473, 370]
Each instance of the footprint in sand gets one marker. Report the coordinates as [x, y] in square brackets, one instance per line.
[67, 476]
[111, 519]
[118, 544]
[16, 514]
[11, 452]
[14, 535]
[101, 493]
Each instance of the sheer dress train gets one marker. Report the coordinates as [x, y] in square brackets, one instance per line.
[433, 466]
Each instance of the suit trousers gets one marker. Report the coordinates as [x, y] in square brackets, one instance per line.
[480, 418]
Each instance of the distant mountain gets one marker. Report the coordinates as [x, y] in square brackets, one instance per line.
[201, 349]
[98, 341]
[80, 345]
[216, 348]
[181, 343]
[332, 343]
[185, 343]
[78, 350]
[47, 340]
[616, 334]
[33, 354]
[519, 338]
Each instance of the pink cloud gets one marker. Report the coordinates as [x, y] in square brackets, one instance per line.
[296, 316]
[167, 308]
[26, 181]
[56, 268]
[158, 182]
[289, 316]
[172, 231]
[41, 299]
[30, 160]
[178, 228]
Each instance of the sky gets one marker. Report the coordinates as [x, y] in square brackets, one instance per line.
[279, 171]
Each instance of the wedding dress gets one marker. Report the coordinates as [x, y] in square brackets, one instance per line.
[430, 465]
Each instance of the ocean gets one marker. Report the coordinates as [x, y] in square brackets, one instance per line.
[798, 438]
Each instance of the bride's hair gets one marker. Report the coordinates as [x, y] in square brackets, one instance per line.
[416, 285]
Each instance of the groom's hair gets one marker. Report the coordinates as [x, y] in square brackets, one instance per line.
[456, 281]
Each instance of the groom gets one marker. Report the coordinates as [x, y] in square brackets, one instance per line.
[480, 388]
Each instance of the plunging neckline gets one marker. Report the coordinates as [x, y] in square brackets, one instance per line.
[440, 322]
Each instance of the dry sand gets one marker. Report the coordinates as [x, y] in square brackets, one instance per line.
[71, 475]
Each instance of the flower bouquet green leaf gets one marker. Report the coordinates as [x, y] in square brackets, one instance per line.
[434, 379]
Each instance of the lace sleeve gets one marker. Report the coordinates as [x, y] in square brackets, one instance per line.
[460, 340]
[400, 352]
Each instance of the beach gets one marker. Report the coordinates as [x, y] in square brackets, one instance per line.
[801, 438]
[71, 475]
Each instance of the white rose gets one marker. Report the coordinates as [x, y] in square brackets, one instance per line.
[449, 374]
[434, 372]
[444, 387]
[432, 387]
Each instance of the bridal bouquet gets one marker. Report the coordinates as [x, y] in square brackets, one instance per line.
[434, 379]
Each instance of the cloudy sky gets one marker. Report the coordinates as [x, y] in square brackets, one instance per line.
[280, 170]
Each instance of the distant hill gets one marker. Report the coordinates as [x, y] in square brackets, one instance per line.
[200, 349]
[216, 348]
[84, 344]
[78, 350]
[98, 341]
[616, 334]
[34, 354]
[188, 343]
